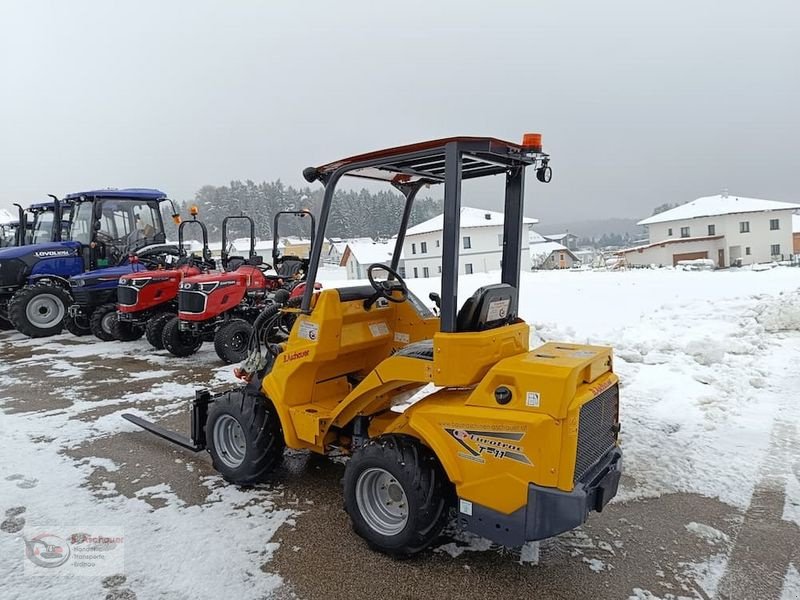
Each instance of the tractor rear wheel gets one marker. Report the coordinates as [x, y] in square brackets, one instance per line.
[101, 323]
[397, 495]
[232, 340]
[39, 310]
[180, 343]
[124, 331]
[154, 330]
[244, 437]
[77, 325]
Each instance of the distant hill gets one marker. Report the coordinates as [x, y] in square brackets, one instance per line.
[593, 228]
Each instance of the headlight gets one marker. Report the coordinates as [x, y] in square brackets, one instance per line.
[139, 283]
[208, 286]
[77, 282]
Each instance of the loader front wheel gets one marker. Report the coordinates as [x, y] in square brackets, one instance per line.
[396, 494]
[244, 437]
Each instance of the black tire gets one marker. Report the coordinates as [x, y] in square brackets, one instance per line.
[5, 325]
[154, 330]
[47, 304]
[102, 321]
[125, 331]
[180, 343]
[260, 435]
[77, 325]
[415, 470]
[232, 340]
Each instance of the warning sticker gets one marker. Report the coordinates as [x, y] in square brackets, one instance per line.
[532, 399]
[498, 309]
[403, 338]
[308, 330]
[378, 329]
[465, 507]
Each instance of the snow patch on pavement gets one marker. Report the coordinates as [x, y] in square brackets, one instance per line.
[710, 534]
[791, 584]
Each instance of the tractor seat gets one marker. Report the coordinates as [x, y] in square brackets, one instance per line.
[290, 267]
[422, 349]
[489, 307]
[234, 262]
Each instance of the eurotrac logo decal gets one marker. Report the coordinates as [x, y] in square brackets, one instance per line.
[497, 444]
[54, 253]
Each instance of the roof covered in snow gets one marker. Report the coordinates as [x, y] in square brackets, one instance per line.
[721, 204]
[368, 253]
[540, 252]
[535, 238]
[557, 237]
[470, 217]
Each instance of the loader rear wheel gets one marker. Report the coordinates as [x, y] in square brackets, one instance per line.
[102, 322]
[232, 340]
[244, 437]
[125, 331]
[39, 310]
[154, 330]
[77, 325]
[180, 343]
[397, 495]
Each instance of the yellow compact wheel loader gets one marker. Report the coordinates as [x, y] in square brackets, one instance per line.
[444, 412]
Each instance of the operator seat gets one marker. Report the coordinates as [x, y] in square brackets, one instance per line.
[489, 307]
[290, 267]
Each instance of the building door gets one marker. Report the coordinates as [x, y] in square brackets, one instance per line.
[721, 258]
[688, 256]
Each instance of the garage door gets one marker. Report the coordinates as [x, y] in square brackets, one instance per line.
[688, 256]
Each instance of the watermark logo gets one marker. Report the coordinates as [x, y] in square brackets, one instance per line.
[87, 551]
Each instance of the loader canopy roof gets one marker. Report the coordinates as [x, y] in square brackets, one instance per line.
[135, 193]
[425, 161]
[448, 161]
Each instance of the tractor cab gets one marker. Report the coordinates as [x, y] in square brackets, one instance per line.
[436, 412]
[39, 223]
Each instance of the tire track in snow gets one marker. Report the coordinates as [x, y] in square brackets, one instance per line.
[766, 545]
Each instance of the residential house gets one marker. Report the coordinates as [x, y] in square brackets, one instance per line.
[552, 255]
[359, 255]
[570, 240]
[730, 230]
[480, 244]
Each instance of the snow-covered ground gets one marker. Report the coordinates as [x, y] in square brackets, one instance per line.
[708, 363]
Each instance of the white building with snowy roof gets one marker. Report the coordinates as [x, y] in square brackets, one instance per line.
[480, 244]
[359, 255]
[729, 230]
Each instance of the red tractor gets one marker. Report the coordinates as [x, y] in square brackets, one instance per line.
[147, 300]
[223, 306]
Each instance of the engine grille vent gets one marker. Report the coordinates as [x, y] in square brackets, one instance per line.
[596, 431]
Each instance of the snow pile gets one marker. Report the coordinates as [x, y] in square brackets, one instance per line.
[783, 315]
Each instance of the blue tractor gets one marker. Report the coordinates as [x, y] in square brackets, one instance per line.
[110, 231]
[36, 224]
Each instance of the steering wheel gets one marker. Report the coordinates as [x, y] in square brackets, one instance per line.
[384, 289]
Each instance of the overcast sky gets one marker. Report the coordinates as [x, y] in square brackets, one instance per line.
[639, 102]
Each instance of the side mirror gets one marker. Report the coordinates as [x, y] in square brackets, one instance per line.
[437, 299]
[97, 226]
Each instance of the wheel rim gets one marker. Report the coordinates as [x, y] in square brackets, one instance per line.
[45, 310]
[107, 322]
[239, 342]
[229, 441]
[382, 501]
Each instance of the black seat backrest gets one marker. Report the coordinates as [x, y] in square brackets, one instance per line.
[290, 267]
[234, 262]
[489, 307]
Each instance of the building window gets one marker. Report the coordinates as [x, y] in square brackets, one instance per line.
[712, 230]
[467, 242]
[669, 232]
[747, 250]
[744, 226]
[416, 274]
[499, 239]
[774, 224]
[423, 247]
[413, 248]
[437, 243]
[775, 250]
[468, 266]
[402, 271]
[425, 272]
[684, 232]
[439, 269]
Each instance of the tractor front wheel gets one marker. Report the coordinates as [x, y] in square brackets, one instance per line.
[77, 325]
[244, 437]
[125, 331]
[180, 343]
[397, 495]
[154, 330]
[102, 321]
[232, 341]
[39, 310]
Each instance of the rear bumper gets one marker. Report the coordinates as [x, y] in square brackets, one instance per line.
[549, 511]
